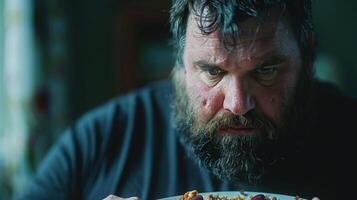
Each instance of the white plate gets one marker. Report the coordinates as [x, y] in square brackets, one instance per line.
[231, 194]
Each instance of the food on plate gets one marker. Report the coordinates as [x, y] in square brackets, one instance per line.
[191, 195]
[194, 195]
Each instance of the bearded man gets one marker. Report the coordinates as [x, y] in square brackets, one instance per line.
[242, 112]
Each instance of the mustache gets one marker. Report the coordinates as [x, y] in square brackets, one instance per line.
[250, 119]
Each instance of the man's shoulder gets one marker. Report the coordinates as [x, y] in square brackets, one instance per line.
[334, 115]
[154, 94]
[333, 107]
[334, 123]
[332, 139]
[116, 115]
[331, 99]
[119, 121]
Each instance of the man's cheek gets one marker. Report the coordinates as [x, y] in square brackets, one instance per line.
[269, 105]
[200, 102]
[203, 99]
[197, 90]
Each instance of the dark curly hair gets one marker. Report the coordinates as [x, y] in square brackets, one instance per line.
[225, 16]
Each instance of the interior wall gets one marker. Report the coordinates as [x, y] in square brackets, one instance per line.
[336, 29]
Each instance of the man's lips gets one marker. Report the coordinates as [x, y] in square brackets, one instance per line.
[237, 130]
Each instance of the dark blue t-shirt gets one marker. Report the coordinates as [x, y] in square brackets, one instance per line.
[128, 147]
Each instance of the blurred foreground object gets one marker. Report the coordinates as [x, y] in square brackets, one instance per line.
[17, 84]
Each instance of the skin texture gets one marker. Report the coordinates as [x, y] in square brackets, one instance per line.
[240, 88]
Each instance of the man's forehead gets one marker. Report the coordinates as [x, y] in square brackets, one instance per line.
[258, 40]
[250, 30]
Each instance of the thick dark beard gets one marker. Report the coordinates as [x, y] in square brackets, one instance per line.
[234, 158]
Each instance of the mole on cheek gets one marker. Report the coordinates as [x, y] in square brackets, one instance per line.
[204, 102]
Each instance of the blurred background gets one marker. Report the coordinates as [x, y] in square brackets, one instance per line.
[61, 58]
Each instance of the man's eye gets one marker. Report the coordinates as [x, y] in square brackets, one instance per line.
[211, 75]
[214, 72]
[267, 73]
[265, 70]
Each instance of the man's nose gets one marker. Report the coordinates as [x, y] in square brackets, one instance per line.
[238, 99]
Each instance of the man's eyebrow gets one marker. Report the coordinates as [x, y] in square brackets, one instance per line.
[277, 59]
[205, 65]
